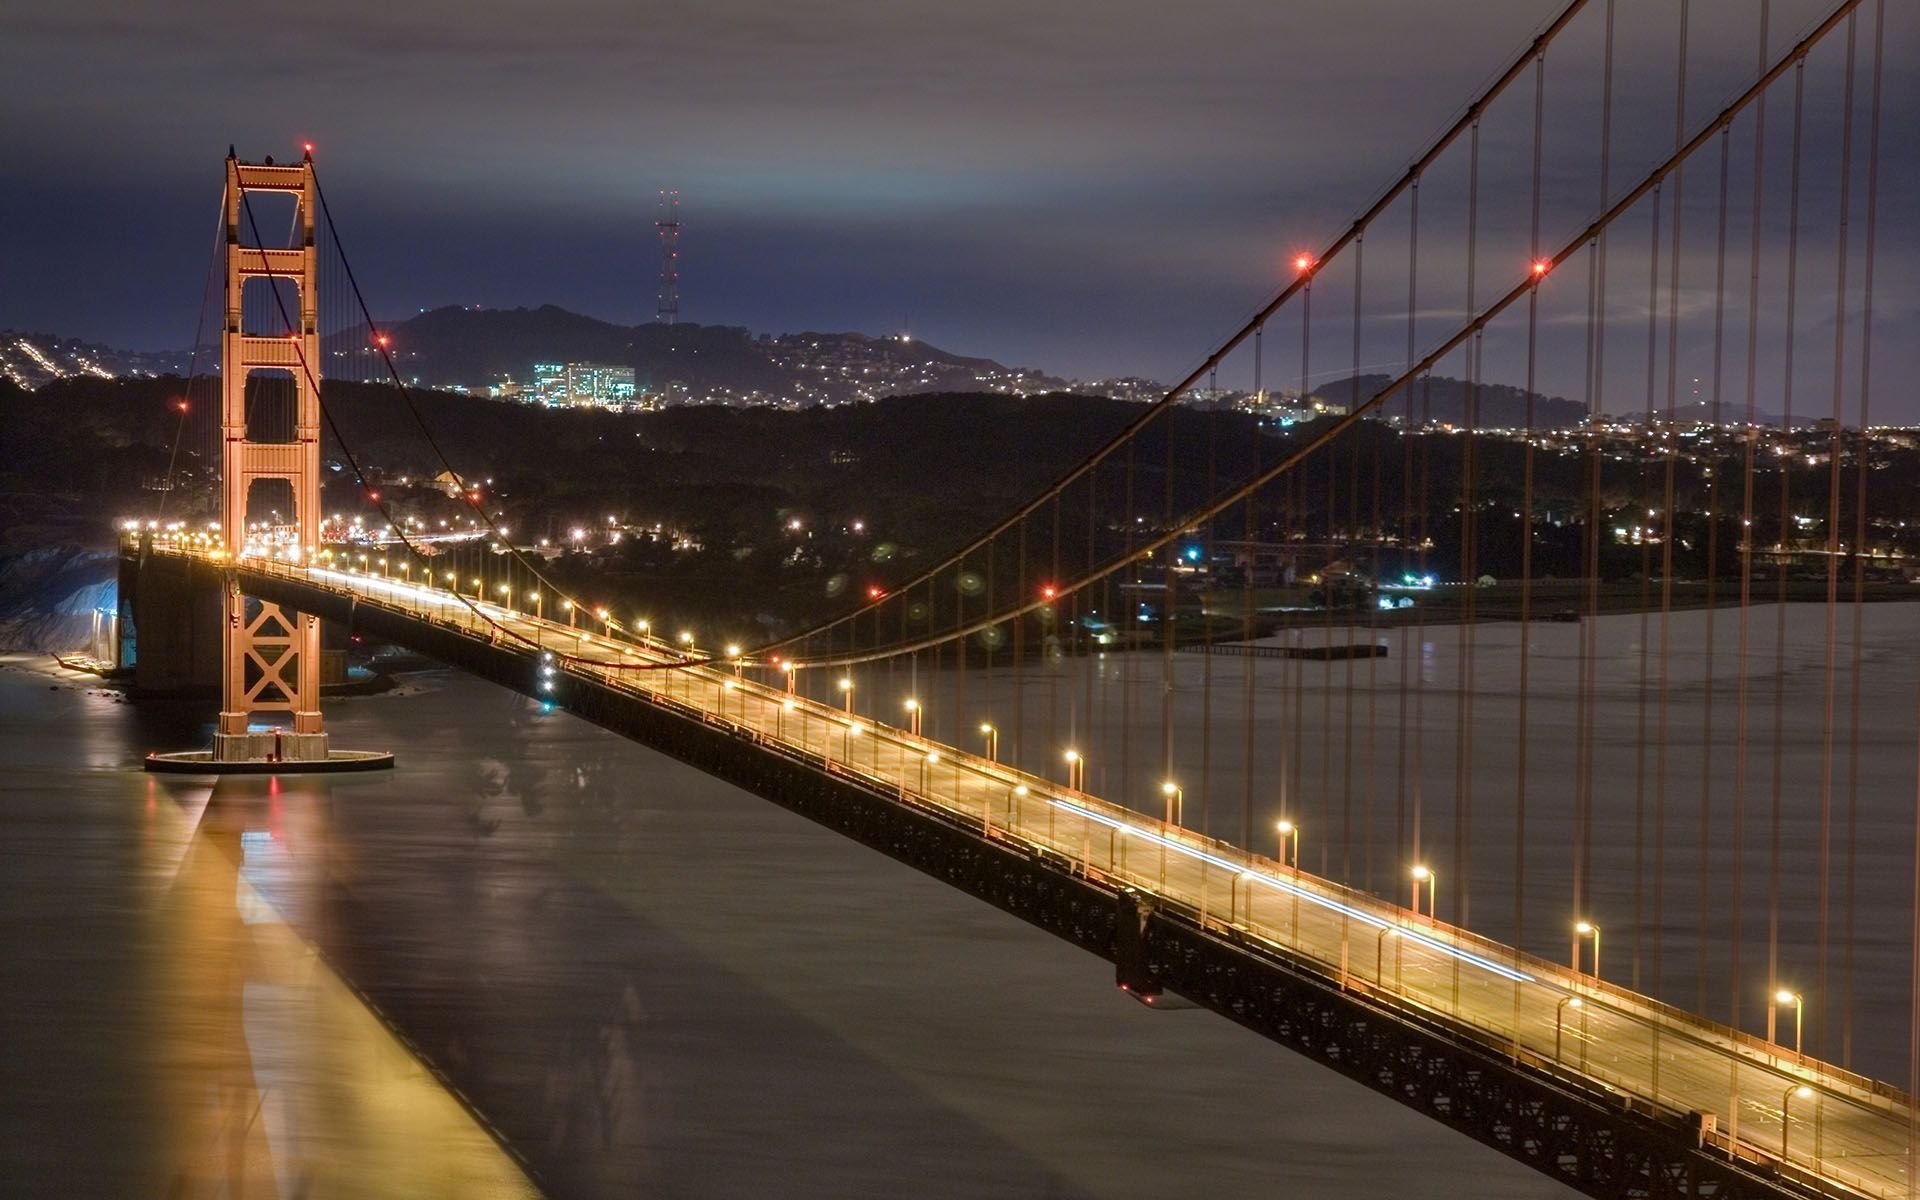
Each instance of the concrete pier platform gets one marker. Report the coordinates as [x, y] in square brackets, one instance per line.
[202, 762]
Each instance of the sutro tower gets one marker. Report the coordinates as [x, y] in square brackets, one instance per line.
[668, 227]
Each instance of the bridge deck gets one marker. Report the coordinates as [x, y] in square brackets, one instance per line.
[1850, 1134]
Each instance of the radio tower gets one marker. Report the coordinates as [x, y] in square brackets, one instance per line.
[668, 226]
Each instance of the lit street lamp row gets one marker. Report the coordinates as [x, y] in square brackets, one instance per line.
[1423, 876]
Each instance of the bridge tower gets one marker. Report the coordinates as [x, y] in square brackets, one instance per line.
[271, 659]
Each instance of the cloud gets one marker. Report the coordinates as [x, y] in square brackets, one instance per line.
[1088, 187]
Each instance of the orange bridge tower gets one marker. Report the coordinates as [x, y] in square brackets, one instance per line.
[271, 657]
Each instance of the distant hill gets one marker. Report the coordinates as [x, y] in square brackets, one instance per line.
[32, 359]
[1443, 399]
[1700, 412]
[478, 347]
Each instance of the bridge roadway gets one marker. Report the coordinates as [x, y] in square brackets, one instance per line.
[1850, 1134]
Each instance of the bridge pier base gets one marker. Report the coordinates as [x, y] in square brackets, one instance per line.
[270, 745]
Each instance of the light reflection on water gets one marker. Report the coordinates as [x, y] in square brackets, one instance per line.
[276, 1080]
[653, 984]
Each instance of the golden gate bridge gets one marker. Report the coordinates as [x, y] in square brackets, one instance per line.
[1030, 719]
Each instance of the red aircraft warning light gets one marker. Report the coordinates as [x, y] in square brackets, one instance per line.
[1541, 266]
[875, 591]
[1048, 592]
[1302, 262]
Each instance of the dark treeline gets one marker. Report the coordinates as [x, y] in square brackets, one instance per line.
[919, 476]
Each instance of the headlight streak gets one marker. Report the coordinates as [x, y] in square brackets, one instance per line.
[1293, 889]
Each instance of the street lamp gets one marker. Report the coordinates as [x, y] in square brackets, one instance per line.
[1176, 801]
[1380, 954]
[1076, 770]
[1290, 841]
[1559, 1014]
[993, 741]
[1801, 1090]
[790, 670]
[926, 766]
[686, 639]
[913, 716]
[1424, 874]
[846, 689]
[506, 594]
[568, 606]
[1783, 996]
[1586, 929]
[733, 652]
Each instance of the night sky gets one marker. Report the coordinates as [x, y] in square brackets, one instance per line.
[1087, 188]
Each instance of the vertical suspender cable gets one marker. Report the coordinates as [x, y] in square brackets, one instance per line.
[1595, 522]
[1709, 732]
[1785, 533]
[187, 405]
[1861, 547]
[1667, 536]
[1362, 441]
[1469, 576]
[1835, 447]
[1640, 932]
[1743, 672]
[1250, 531]
[1292, 759]
[1526, 542]
[1406, 849]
